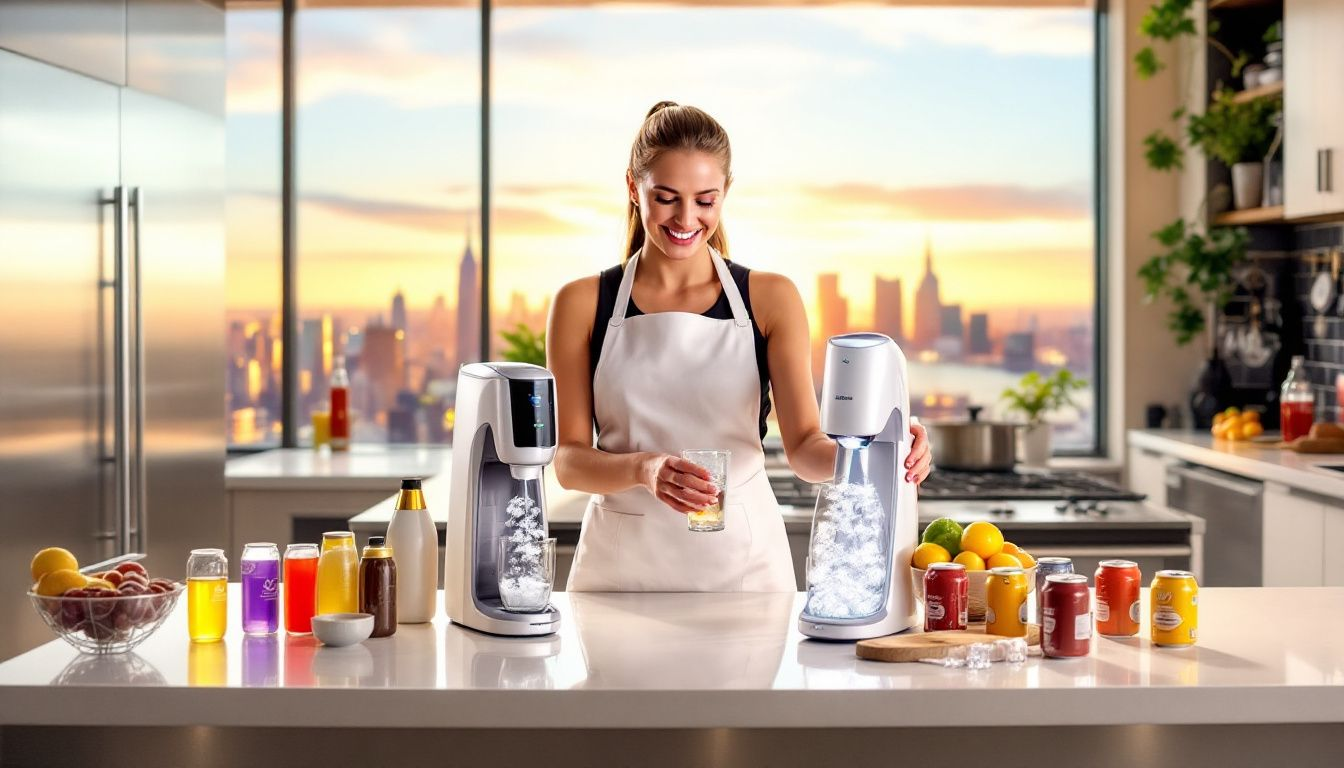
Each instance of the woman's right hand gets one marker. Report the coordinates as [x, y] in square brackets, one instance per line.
[680, 484]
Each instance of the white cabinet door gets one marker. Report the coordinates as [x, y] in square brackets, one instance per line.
[1313, 146]
[1148, 475]
[1294, 547]
[1334, 546]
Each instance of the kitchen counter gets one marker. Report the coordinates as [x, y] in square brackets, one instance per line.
[692, 661]
[363, 467]
[1259, 461]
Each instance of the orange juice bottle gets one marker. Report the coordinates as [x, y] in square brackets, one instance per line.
[338, 574]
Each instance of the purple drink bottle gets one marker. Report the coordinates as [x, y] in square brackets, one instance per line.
[260, 566]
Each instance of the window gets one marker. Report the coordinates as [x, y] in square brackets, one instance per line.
[923, 172]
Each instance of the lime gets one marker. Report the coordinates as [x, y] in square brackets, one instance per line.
[945, 533]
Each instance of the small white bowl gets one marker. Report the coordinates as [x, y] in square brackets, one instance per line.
[342, 629]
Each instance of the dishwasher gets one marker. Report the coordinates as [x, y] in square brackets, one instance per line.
[1232, 508]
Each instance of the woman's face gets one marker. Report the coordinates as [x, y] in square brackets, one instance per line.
[679, 201]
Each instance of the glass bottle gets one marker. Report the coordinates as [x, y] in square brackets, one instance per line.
[378, 586]
[340, 406]
[207, 595]
[260, 569]
[338, 574]
[1296, 402]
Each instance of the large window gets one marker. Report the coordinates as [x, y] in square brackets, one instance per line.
[926, 172]
[923, 172]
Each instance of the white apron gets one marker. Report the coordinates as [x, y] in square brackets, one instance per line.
[668, 382]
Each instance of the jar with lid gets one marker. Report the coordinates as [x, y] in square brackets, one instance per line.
[1297, 403]
[378, 586]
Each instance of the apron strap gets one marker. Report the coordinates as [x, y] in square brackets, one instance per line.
[623, 294]
[730, 290]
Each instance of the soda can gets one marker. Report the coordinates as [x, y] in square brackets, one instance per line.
[1066, 631]
[1044, 567]
[1174, 608]
[946, 596]
[1006, 602]
[1118, 598]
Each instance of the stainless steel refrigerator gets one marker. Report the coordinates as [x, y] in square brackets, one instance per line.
[111, 287]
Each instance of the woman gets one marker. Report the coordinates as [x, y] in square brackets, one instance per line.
[677, 349]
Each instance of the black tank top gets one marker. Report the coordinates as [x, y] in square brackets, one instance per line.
[609, 284]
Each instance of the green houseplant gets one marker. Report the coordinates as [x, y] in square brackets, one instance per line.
[524, 345]
[1034, 397]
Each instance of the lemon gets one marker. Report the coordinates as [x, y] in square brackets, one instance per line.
[1002, 560]
[53, 559]
[1027, 560]
[55, 583]
[928, 553]
[946, 533]
[972, 561]
[983, 538]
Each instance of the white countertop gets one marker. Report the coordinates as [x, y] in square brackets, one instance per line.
[1258, 461]
[691, 660]
[363, 467]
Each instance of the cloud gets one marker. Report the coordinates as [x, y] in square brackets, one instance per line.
[967, 202]
[1005, 32]
[439, 218]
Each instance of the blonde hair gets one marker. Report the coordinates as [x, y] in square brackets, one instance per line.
[669, 126]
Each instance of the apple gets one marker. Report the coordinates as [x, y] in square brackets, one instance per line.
[128, 568]
[136, 577]
[168, 584]
[112, 577]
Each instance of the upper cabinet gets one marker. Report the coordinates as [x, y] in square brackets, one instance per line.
[87, 36]
[175, 49]
[1313, 147]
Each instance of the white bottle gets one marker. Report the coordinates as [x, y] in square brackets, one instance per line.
[415, 550]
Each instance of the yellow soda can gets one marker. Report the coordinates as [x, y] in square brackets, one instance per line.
[1173, 612]
[1006, 602]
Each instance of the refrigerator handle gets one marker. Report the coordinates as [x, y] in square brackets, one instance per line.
[121, 370]
[136, 534]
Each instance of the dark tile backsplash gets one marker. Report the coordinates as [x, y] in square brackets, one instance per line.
[1324, 341]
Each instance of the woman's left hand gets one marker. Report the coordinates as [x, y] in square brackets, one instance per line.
[919, 463]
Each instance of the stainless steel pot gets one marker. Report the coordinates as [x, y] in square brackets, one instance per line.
[986, 446]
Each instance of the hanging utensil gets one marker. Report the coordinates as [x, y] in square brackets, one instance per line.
[1254, 352]
[1323, 293]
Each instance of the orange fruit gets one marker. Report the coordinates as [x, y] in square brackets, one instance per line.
[1252, 429]
[983, 538]
[1001, 560]
[972, 561]
[52, 559]
[55, 583]
[1027, 560]
[927, 554]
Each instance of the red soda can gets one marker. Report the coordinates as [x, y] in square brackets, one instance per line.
[1118, 598]
[946, 596]
[1067, 627]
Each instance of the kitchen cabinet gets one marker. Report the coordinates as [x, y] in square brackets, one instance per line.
[1333, 550]
[175, 49]
[1295, 548]
[86, 36]
[1148, 474]
[1313, 146]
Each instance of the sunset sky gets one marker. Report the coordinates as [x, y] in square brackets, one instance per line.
[857, 132]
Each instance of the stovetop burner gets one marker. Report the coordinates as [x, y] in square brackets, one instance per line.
[952, 485]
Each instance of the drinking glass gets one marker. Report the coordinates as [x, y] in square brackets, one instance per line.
[300, 586]
[207, 595]
[338, 574]
[321, 428]
[526, 571]
[711, 517]
[260, 569]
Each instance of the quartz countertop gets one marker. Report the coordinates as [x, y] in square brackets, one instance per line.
[1256, 460]
[691, 660]
[363, 467]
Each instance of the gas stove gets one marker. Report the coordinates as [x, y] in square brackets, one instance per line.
[1079, 491]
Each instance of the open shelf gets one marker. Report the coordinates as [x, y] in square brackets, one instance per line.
[1264, 91]
[1268, 215]
[1218, 5]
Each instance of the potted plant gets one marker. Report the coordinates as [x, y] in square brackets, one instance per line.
[1034, 397]
[524, 345]
[1239, 135]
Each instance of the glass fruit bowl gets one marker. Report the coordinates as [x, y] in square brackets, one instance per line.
[106, 624]
[976, 589]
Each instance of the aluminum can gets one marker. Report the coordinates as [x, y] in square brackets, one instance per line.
[1118, 598]
[946, 596]
[1044, 567]
[1174, 608]
[1006, 602]
[1066, 631]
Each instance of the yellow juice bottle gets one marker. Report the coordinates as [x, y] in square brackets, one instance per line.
[338, 574]
[207, 608]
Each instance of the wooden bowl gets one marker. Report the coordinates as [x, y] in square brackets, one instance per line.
[976, 597]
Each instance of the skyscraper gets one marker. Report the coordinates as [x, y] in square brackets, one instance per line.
[1019, 351]
[979, 343]
[399, 311]
[383, 362]
[887, 310]
[928, 305]
[951, 324]
[468, 309]
[833, 315]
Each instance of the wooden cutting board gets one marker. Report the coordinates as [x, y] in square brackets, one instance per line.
[930, 645]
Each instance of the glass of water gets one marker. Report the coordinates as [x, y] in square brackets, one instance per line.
[526, 571]
[711, 517]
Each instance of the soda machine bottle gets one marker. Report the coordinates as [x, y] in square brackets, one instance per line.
[340, 406]
[1296, 402]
